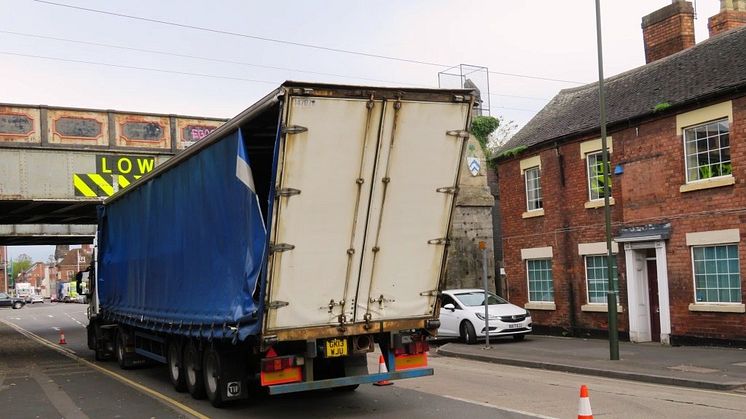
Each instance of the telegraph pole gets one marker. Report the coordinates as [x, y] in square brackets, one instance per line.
[611, 292]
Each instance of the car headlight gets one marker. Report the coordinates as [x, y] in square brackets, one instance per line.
[528, 313]
[480, 316]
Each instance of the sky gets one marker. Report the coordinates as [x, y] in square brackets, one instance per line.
[66, 56]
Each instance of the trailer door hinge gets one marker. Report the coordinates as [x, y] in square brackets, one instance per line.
[293, 129]
[277, 304]
[448, 189]
[431, 293]
[301, 91]
[441, 240]
[288, 192]
[458, 133]
[280, 247]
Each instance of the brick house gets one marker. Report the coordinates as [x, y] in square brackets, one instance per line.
[677, 143]
[73, 261]
[34, 275]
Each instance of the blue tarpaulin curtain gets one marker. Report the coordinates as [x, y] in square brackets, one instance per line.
[186, 247]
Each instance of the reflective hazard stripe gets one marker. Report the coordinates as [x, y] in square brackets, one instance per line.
[81, 188]
[105, 186]
[123, 182]
[92, 185]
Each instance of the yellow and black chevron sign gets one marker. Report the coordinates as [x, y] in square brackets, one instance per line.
[92, 185]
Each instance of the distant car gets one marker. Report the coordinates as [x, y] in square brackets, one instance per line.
[36, 298]
[462, 315]
[8, 301]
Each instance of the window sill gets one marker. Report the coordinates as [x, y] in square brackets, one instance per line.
[598, 203]
[718, 308]
[599, 308]
[708, 184]
[540, 305]
[533, 213]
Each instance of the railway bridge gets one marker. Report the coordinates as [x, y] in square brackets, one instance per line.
[57, 164]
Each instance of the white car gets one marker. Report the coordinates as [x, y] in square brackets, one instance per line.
[36, 298]
[462, 315]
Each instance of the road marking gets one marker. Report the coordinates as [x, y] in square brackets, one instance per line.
[58, 397]
[74, 319]
[483, 404]
[50, 315]
[71, 354]
[56, 329]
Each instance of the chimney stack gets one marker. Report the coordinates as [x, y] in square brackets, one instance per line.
[668, 30]
[732, 15]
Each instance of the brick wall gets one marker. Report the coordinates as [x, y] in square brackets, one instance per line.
[651, 155]
[725, 21]
[668, 30]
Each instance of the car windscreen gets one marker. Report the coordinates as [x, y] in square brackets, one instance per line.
[476, 298]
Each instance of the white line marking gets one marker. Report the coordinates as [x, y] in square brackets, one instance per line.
[56, 329]
[483, 404]
[71, 354]
[50, 315]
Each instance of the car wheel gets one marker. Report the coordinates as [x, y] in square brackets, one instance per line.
[519, 338]
[193, 371]
[176, 366]
[17, 305]
[468, 334]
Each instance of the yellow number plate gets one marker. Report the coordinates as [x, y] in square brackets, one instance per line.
[336, 347]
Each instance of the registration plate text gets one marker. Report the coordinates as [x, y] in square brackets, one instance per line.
[336, 347]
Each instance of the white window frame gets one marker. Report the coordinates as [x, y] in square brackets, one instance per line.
[588, 175]
[708, 239]
[694, 275]
[588, 288]
[528, 280]
[526, 172]
[691, 128]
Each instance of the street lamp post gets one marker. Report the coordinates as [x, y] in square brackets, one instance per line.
[611, 292]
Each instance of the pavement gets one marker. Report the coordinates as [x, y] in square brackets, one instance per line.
[702, 367]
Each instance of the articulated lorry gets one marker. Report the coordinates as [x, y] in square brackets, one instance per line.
[281, 249]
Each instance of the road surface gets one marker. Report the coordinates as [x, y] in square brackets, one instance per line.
[50, 384]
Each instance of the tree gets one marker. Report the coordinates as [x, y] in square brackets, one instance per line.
[21, 263]
[502, 134]
[481, 128]
[492, 133]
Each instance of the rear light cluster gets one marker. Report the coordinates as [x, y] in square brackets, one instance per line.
[278, 364]
[274, 363]
[413, 348]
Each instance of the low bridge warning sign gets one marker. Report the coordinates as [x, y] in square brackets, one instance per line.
[113, 173]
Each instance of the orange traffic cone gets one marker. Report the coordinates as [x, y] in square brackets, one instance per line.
[382, 368]
[62, 338]
[584, 406]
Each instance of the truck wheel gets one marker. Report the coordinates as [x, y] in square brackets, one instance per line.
[193, 368]
[176, 366]
[212, 368]
[17, 305]
[123, 359]
[468, 334]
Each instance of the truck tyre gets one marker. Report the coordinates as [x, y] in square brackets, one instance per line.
[123, 358]
[214, 377]
[468, 334]
[176, 366]
[17, 305]
[193, 370]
